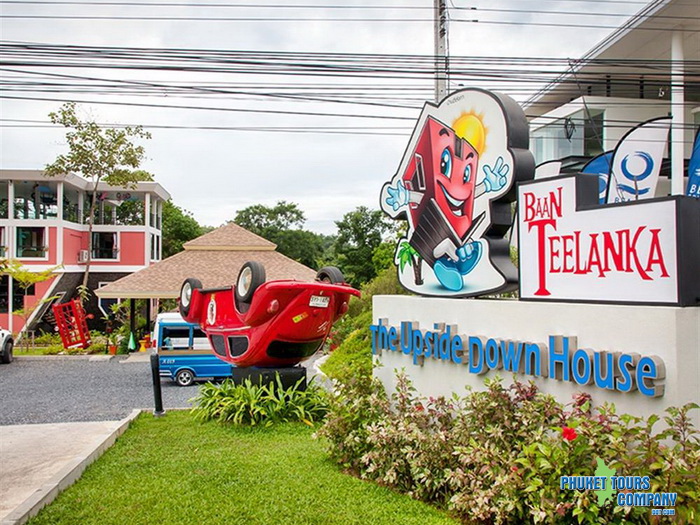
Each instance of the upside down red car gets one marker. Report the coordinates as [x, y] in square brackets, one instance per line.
[267, 324]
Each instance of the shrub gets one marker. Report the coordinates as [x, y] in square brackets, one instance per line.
[54, 349]
[96, 348]
[254, 404]
[496, 456]
[352, 408]
[350, 340]
[354, 355]
[47, 338]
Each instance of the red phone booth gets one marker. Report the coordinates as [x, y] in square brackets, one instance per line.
[72, 324]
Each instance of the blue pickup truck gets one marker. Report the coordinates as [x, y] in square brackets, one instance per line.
[184, 353]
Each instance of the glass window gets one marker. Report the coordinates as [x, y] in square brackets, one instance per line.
[4, 199]
[18, 295]
[34, 200]
[31, 242]
[175, 338]
[155, 247]
[71, 199]
[4, 293]
[154, 212]
[3, 246]
[593, 133]
[104, 245]
[130, 209]
[199, 340]
[117, 207]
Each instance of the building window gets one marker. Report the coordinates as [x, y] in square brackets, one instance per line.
[4, 199]
[18, 295]
[4, 293]
[3, 246]
[31, 242]
[593, 143]
[36, 201]
[155, 247]
[71, 200]
[104, 245]
[116, 207]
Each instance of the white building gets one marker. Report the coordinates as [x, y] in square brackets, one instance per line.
[649, 67]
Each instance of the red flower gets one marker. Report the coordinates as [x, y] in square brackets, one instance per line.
[568, 433]
[419, 407]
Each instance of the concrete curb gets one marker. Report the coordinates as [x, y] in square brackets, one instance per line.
[82, 357]
[65, 478]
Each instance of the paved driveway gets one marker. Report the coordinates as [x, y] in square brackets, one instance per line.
[61, 390]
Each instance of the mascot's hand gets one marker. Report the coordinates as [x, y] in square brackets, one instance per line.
[466, 251]
[398, 196]
[496, 177]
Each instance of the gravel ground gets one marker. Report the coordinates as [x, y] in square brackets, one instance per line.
[60, 391]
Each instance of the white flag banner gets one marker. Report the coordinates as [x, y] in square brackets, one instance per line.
[547, 170]
[637, 161]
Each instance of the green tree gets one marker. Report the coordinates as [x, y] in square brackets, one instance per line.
[261, 219]
[360, 233]
[100, 155]
[179, 226]
[24, 278]
[282, 224]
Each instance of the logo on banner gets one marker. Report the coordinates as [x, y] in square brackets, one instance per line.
[693, 189]
[600, 166]
[461, 163]
[636, 161]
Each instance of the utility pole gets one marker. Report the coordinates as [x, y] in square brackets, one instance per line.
[441, 54]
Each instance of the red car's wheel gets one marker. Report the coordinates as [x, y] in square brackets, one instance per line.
[250, 277]
[330, 274]
[188, 287]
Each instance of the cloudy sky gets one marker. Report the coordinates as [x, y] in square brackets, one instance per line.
[328, 155]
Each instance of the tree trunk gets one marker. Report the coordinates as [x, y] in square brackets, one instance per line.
[91, 221]
[418, 270]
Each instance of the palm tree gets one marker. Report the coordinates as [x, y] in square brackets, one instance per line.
[407, 254]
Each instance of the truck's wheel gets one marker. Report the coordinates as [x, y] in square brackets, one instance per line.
[251, 276]
[184, 377]
[188, 287]
[7, 351]
[330, 274]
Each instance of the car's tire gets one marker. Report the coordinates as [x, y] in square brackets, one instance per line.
[330, 274]
[251, 276]
[186, 290]
[7, 351]
[184, 377]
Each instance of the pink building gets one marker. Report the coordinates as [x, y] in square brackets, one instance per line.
[43, 224]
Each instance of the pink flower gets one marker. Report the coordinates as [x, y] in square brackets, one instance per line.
[568, 433]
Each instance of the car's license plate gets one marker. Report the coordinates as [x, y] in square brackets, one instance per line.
[319, 301]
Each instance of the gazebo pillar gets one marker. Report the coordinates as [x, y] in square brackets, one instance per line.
[132, 324]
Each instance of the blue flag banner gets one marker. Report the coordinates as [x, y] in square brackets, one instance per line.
[693, 189]
[600, 166]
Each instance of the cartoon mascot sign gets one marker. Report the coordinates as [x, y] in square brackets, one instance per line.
[455, 186]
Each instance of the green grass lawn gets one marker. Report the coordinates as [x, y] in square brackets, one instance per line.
[176, 470]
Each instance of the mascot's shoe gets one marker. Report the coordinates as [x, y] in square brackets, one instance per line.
[448, 274]
[467, 263]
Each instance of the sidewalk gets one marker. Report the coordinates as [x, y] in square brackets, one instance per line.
[39, 461]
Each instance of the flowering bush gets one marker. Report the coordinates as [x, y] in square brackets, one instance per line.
[496, 456]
